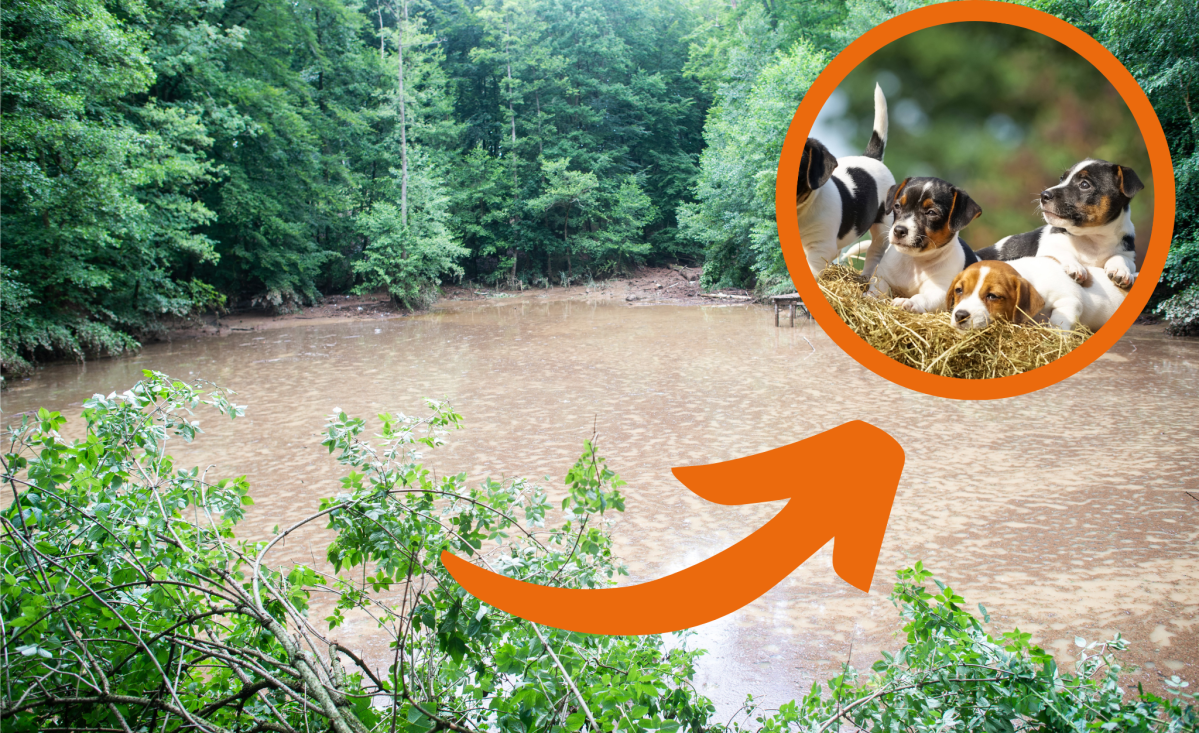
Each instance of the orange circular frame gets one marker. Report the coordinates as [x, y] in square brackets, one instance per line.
[1163, 209]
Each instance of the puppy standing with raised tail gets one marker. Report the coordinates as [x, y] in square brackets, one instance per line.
[833, 215]
[925, 253]
[1089, 224]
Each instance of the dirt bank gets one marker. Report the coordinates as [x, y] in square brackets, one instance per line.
[675, 285]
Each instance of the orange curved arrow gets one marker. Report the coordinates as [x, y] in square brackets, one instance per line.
[839, 483]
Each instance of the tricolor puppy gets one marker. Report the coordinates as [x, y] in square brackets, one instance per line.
[1089, 224]
[832, 215]
[1030, 288]
[925, 253]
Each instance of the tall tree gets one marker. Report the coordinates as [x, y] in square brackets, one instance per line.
[99, 184]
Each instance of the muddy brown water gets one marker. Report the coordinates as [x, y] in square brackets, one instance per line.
[1065, 512]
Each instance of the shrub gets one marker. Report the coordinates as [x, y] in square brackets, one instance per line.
[129, 604]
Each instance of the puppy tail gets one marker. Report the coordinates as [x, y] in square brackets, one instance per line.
[878, 138]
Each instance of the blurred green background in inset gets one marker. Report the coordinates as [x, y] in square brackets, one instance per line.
[998, 111]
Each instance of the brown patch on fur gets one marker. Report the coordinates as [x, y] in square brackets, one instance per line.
[1096, 214]
[928, 203]
[1028, 301]
[966, 280]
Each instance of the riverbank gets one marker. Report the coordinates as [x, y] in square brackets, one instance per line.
[675, 285]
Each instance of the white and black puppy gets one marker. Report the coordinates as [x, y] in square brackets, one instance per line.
[925, 252]
[1030, 288]
[834, 215]
[1089, 224]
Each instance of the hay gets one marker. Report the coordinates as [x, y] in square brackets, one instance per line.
[929, 342]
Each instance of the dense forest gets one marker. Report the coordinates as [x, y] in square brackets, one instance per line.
[163, 158]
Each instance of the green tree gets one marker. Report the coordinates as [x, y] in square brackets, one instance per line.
[566, 190]
[99, 196]
[619, 244]
[734, 215]
[408, 255]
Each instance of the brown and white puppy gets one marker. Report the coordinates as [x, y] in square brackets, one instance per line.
[1030, 288]
[925, 252]
[991, 291]
[838, 201]
[1089, 224]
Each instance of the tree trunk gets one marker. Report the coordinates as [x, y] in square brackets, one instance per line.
[566, 243]
[403, 120]
[512, 118]
[382, 56]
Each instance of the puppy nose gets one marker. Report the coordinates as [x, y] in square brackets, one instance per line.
[961, 315]
[899, 230]
[1046, 196]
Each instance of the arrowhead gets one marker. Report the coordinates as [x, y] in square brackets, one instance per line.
[844, 478]
[840, 484]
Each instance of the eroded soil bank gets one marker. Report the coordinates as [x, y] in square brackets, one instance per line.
[1065, 512]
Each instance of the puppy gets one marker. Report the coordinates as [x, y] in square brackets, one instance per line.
[925, 253]
[832, 216]
[1030, 288]
[1089, 224]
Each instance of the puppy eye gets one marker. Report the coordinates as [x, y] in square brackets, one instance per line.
[1084, 185]
[993, 296]
[957, 291]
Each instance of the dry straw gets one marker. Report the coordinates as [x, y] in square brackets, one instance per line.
[929, 342]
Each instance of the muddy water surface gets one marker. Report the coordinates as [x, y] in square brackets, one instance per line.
[1065, 512]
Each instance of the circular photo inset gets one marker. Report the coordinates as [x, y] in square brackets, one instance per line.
[975, 202]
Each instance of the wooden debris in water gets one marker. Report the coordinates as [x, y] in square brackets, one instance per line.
[929, 342]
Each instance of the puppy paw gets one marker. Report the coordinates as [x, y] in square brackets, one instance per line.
[1059, 321]
[906, 303]
[1077, 272]
[1120, 275]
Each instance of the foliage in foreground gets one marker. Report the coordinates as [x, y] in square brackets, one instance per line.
[129, 604]
[952, 675]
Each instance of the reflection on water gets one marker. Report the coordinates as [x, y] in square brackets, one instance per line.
[1065, 512]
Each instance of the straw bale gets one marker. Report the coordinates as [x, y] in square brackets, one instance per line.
[929, 342]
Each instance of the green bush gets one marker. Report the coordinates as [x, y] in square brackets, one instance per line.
[129, 604]
[952, 675]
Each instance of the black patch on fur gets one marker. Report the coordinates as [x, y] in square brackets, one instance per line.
[1016, 246]
[857, 209]
[1130, 243]
[964, 210]
[882, 212]
[876, 146]
[1056, 230]
[971, 256]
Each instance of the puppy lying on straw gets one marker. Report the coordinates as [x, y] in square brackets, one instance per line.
[929, 341]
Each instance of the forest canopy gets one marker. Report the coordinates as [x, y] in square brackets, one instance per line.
[163, 158]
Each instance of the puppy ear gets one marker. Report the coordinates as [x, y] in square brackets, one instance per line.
[963, 210]
[950, 299]
[1028, 302]
[816, 166]
[1130, 182]
[893, 192]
